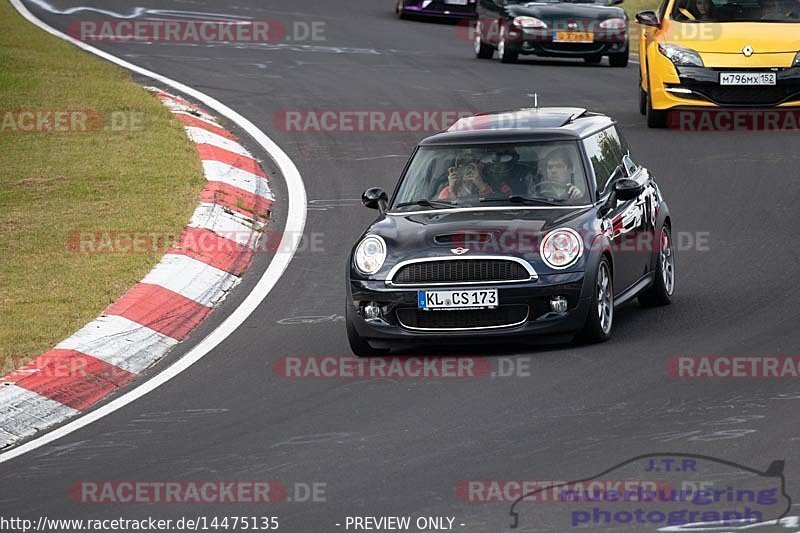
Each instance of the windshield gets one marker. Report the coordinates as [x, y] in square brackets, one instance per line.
[549, 173]
[736, 11]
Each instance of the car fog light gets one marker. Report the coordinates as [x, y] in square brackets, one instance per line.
[372, 310]
[558, 304]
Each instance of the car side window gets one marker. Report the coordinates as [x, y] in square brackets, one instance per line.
[625, 148]
[605, 150]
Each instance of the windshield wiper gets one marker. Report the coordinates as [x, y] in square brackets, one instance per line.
[427, 203]
[520, 200]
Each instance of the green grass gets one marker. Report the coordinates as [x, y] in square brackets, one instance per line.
[632, 7]
[52, 184]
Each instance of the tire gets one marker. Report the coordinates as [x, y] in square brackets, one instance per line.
[600, 321]
[358, 345]
[642, 93]
[619, 60]
[655, 117]
[593, 60]
[642, 101]
[660, 293]
[398, 9]
[503, 53]
[481, 49]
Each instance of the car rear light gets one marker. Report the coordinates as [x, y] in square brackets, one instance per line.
[529, 23]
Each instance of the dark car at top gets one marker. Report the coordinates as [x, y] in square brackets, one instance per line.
[440, 9]
[516, 225]
[582, 29]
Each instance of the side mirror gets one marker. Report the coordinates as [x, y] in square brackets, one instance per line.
[627, 189]
[648, 18]
[375, 198]
[615, 2]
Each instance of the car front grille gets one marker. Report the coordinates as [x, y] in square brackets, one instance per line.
[573, 48]
[502, 316]
[460, 271]
[754, 95]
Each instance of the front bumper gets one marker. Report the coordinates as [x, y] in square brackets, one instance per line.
[703, 82]
[440, 8]
[691, 87]
[399, 306]
[542, 43]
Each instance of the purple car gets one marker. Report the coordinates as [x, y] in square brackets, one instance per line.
[457, 9]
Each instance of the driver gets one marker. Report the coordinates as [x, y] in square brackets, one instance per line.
[775, 10]
[696, 10]
[703, 9]
[559, 177]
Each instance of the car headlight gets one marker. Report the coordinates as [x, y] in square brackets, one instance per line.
[529, 23]
[614, 24]
[370, 255]
[561, 248]
[680, 56]
[796, 60]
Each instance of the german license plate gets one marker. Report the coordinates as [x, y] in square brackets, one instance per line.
[456, 2]
[573, 37]
[457, 299]
[748, 78]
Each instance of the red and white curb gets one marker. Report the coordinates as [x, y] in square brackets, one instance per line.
[160, 311]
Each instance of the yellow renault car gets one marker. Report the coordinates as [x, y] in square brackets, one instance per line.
[719, 53]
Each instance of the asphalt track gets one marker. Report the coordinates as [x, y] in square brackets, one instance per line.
[393, 447]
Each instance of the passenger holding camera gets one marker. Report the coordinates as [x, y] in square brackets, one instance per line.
[464, 180]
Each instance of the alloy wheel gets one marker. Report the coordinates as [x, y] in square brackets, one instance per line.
[667, 258]
[605, 299]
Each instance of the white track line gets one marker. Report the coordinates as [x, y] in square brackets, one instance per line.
[295, 223]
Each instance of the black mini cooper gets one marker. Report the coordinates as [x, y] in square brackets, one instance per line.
[520, 224]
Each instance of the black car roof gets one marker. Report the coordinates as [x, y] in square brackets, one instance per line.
[535, 124]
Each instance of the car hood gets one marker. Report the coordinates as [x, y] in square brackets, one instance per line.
[732, 37]
[475, 232]
[566, 11]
